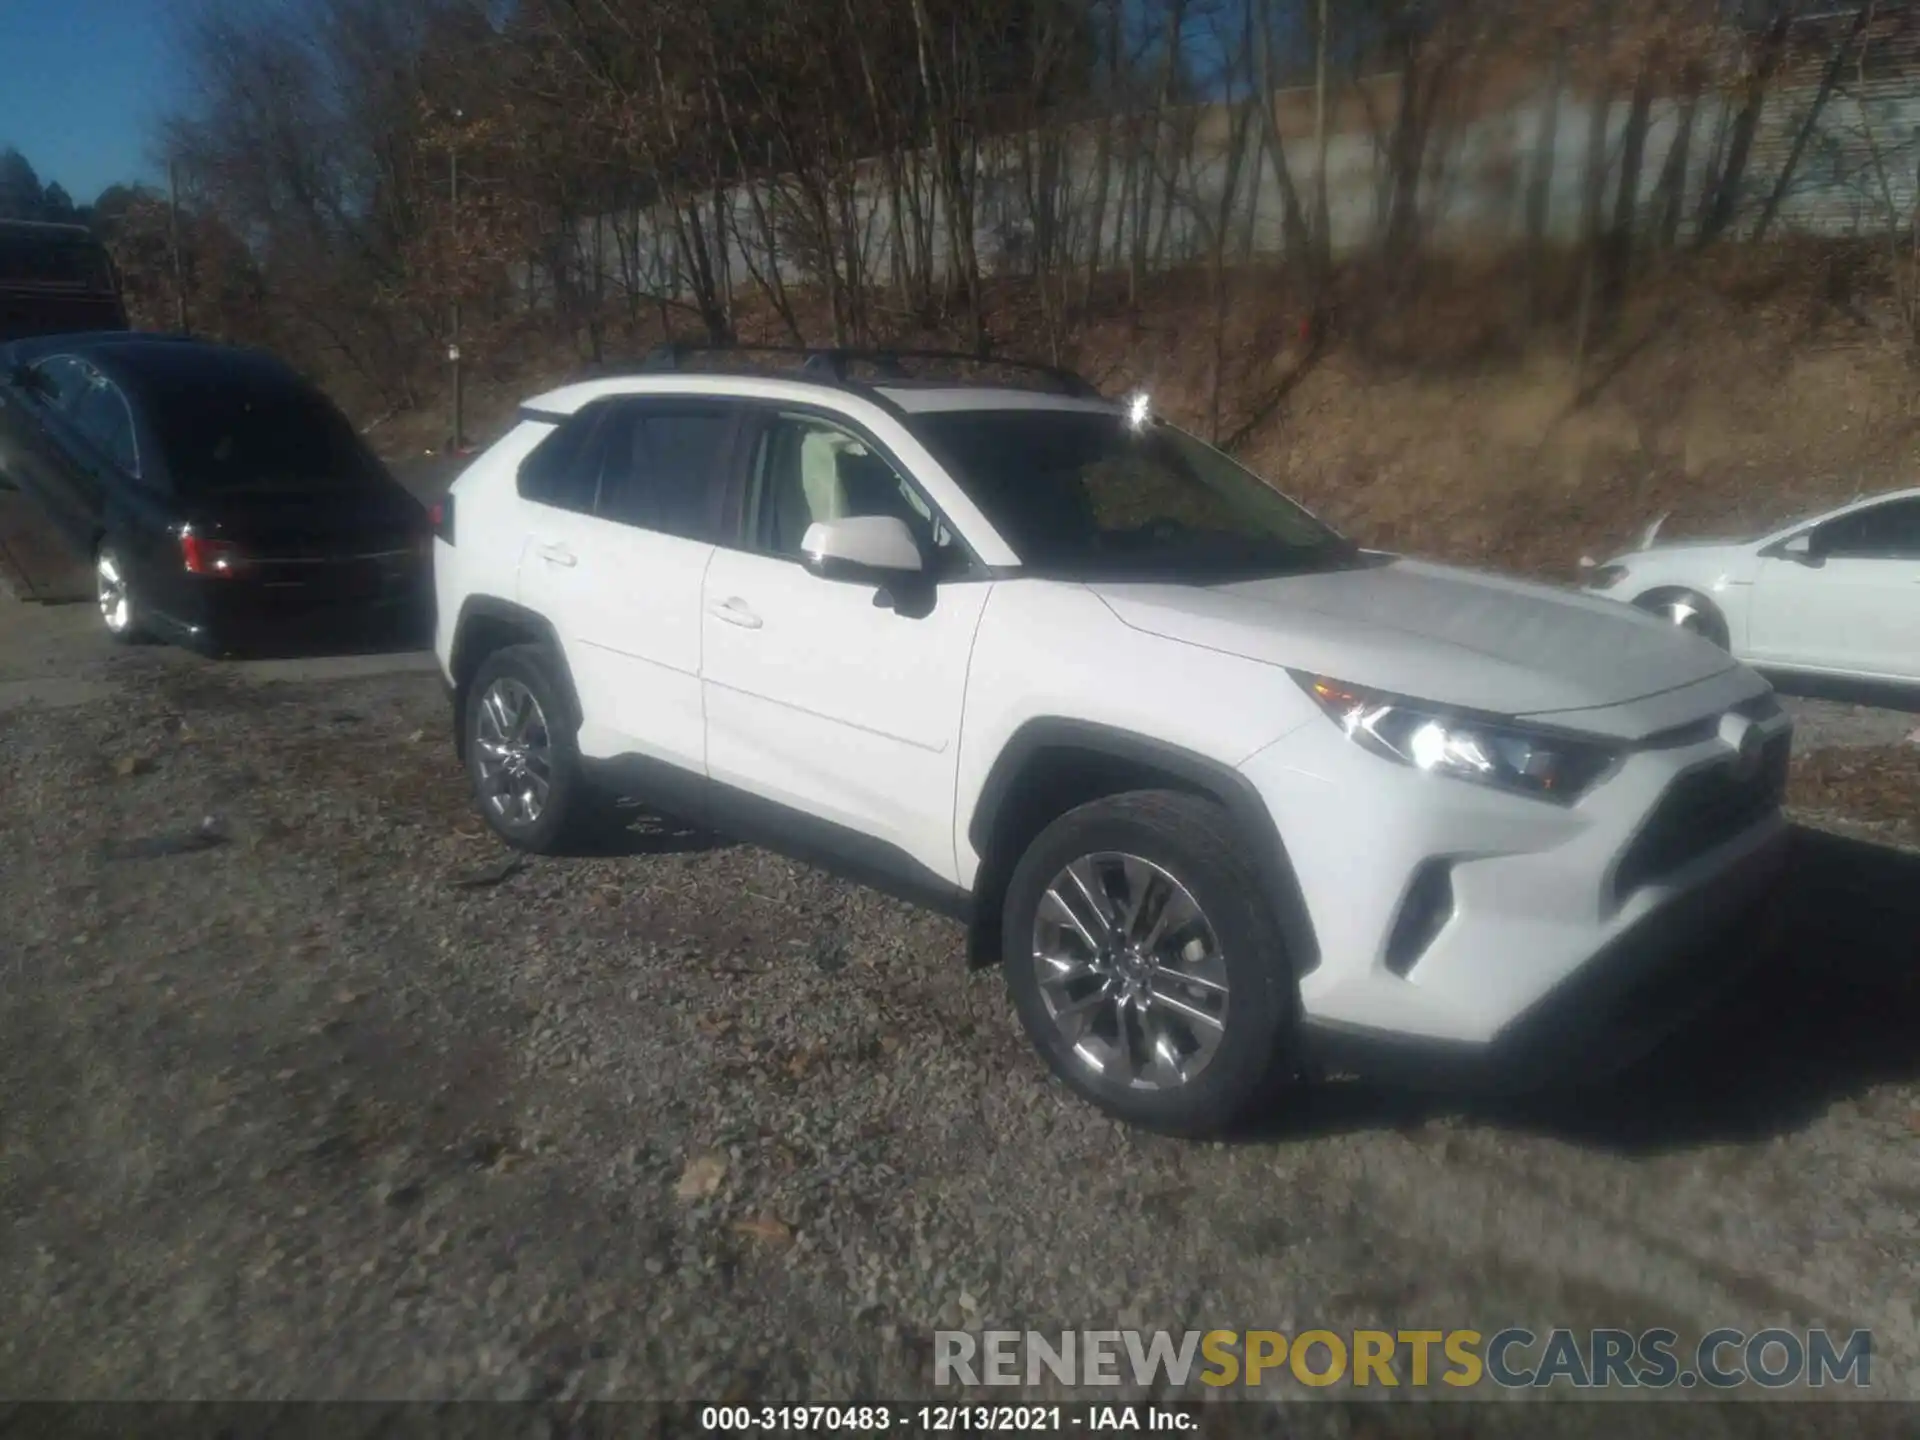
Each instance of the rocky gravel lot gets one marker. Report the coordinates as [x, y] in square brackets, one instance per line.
[308, 1090]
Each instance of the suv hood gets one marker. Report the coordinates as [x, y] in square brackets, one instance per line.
[1454, 637]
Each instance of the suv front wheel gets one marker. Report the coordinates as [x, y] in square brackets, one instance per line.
[521, 756]
[1145, 963]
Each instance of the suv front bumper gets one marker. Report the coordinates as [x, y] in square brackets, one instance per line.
[1565, 938]
[1643, 986]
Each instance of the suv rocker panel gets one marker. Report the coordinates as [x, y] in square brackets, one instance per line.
[737, 814]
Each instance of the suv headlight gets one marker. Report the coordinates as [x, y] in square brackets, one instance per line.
[1483, 749]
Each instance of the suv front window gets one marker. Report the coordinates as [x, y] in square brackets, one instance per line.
[806, 470]
[1089, 494]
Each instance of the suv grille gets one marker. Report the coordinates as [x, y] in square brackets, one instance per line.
[1702, 810]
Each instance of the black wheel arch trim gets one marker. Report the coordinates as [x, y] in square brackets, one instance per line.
[493, 608]
[1234, 792]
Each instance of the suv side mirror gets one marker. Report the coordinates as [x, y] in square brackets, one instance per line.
[1803, 548]
[877, 548]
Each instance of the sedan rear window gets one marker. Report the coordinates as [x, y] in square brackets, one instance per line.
[227, 434]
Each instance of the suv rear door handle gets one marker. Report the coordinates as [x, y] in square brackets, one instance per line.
[558, 555]
[735, 612]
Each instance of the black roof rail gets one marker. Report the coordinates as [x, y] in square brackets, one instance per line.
[833, 365]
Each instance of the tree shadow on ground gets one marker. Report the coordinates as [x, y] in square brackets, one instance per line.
[1880, 694]
[1832, 1012]
[634, 830]
[300, 641]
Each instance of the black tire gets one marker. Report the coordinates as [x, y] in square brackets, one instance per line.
[1193, 841]
[106, 558]
[572, 811]
[1705, 619]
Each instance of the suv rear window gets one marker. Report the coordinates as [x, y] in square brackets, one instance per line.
[660, 466]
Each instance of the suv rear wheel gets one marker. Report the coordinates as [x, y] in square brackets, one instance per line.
[521, 755]
[1145, 964]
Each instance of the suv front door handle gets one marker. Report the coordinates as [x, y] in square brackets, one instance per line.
[559, 555]
[735, 612]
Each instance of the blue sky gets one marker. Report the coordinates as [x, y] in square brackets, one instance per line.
[81, 83]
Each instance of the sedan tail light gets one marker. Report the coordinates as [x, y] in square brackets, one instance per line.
[210, 557]
[440, 515]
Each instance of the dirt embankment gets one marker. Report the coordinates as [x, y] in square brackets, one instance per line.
[1734, 395]
[1734, 398]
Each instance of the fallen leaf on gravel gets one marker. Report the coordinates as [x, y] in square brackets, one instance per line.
[128, 765]
[714, 1026]
[500, 871]
[1877, 785]
[767, 1229]
[416, 737]
[701, 1177]
[804, 1061]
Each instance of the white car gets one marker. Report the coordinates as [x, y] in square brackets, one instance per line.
[1835, 595]
[1231, 798]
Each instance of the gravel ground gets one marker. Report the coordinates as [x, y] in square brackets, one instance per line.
[330, 1098]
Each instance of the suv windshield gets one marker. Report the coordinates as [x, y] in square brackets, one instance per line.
[249, 433]
[1093, 495]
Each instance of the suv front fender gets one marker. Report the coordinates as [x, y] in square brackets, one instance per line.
[1100, 760]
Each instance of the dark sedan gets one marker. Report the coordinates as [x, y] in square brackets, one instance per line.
[224, 501]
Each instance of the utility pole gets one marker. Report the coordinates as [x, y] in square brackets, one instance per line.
[453, 347]
[173, 240]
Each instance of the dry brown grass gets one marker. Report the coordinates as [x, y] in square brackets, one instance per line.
[1734, 393]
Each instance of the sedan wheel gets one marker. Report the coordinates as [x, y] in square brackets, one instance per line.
[114, 594]
[1690, 612]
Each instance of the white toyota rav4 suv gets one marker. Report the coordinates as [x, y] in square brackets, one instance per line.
[1228, 796]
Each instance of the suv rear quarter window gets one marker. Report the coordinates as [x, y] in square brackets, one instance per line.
[561, 470]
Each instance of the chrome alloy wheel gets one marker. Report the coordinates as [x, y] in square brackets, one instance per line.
[1130, 971]
[110, 586]
[515, 753]
[1686, 615]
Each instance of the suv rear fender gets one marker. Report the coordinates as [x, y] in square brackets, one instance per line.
[488, 623]
[1052, 764]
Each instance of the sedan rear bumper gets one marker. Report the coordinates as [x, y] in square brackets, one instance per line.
[229, 616]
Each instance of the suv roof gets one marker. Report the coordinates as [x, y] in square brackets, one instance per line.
[838, 365]
[682, 369]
